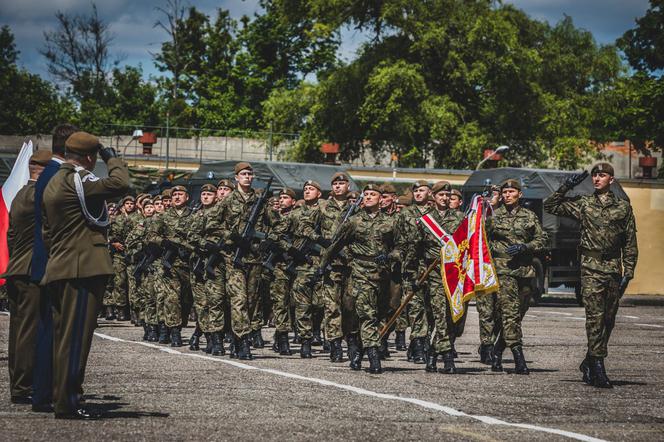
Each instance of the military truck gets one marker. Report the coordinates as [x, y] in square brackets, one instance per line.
[559, 265]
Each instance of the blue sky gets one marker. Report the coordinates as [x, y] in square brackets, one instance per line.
[131, 21]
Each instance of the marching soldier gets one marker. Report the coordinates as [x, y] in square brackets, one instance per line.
[369, 237]
[23, 294]
[487, 305]
[75, 220]
[409, 234]
[515, 234]
[340, 317]
[427, 250]
[173, 289]
[608, 257]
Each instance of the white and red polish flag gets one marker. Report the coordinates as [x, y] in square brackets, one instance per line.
[467, 268]
[17, 179]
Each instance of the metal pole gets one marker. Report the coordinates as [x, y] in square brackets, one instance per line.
[271, 128]
[168, 138]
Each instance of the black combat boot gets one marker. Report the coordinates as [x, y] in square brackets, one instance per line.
[317, 339]
[599, 377]
[244, 352]
[110, 313]
[485, 353]
[153, 333]
[284, 345]
[585, 369]
[418, 353]
[497, 355]
[275, 342]
[217, 344]
[374, 360]
[454, 352]
[519, 361]
[195, 339]
[356, 360]
[432, 362]
[228, 337]
[122, 314]
[296, 337]
[257, 339]
[336, 350]
[176, 337]
[164, 334]
[448, 362]
[132, 317]
[400, 341]
[146, 331]
[353, 346]
[327, 346]
[234, 348]
[383, 350]
[305, 349]
[208, 343]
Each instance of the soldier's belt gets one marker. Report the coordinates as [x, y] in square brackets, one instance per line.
[364, 257]
[600, 255]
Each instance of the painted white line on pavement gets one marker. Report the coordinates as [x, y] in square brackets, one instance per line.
[422, 403]
[628, 316]
[553, 313]
[651, 325]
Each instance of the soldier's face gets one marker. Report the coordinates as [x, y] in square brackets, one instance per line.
[207, 197]
[455, 201]
[511, 196]
[223, 192]
[442, 198]
[129, 206]
[159, 207]
[167, 202]
[421, 194]
[371, 198]
[245, 177]
[495, 198]
[386, 200]
[285, 202]
[340, 188]
[602, 181]
[179, 198]
[149, 210]
[311, 193]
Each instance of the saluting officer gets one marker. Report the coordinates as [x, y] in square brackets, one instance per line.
[608, 258]
[75, 221]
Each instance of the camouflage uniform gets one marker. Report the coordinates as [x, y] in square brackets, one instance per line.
[145, 297]
[608, 251]
[241, 287]
[366, 236]
[118, 233]
[428, 249]
[506, 228]
[301, 226]
[335, 282]
[408, 234]
[282, 281]
[174, 298]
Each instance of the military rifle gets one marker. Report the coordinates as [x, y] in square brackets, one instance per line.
[150, 253]
[249, 232]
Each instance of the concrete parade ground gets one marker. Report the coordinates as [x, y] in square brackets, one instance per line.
[155, 392]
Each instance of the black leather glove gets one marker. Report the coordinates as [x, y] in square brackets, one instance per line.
[210, 247]
[382, 259]
[623, 284]
[574, 180]
[106, 153]
[316, 277]
[516, 249]
[324, 242]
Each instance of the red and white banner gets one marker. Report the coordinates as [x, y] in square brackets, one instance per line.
[467, 269]
[17, 179]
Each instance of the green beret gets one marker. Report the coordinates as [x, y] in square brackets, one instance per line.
[82, 143]
[511, 184]
[288, 191]
[419, 183]
[239, 167]
[127, 198]
[340, 176]
[41, 157]
[166, 193]
[602, 167]
[226, 183]
[388, 188]
[311, 183]
[179, 188]
[440, 186]
[372, 186]
[208, 188]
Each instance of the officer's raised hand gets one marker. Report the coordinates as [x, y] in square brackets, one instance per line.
[106, 153]
[574, 180]
[516, 249]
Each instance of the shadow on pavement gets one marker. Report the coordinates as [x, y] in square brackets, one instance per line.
[112, 409]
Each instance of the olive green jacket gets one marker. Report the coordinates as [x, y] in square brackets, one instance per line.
[20, 236]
